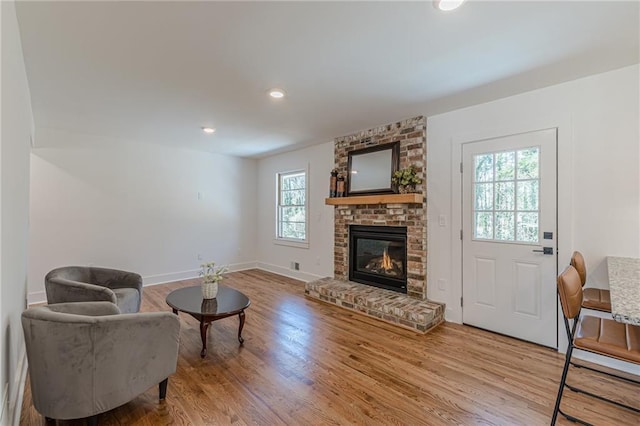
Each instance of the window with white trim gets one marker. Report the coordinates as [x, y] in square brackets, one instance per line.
[292, 206]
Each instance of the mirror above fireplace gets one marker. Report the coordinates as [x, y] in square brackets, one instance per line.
[370, 169]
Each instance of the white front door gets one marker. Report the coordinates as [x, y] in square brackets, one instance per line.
[509, 264]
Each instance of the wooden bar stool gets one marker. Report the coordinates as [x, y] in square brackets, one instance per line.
[593, 298]
[598, 335]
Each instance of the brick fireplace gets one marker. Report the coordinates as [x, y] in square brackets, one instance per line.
[411, 310]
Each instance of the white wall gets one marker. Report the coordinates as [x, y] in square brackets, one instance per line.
[317, 260]
[135, 206]
[598, 177]
[14, 192]
[598, 121]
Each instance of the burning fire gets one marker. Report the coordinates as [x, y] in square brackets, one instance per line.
[386, 261]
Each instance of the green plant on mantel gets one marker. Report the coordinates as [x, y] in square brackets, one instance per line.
[407, 177]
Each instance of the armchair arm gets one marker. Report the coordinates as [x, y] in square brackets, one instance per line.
[93, 309]
[60, 290]
[142, 348]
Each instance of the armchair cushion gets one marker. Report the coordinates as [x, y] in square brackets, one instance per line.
[85, 359]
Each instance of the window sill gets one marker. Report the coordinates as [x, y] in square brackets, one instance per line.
[291, 243]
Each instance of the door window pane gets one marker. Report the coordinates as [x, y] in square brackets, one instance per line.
[527, 227]
[528, 195]
[505, 226]
[484, 167]
[505, 165]
[528, 163]
[505, 196]
[484, 225]
[484, 196]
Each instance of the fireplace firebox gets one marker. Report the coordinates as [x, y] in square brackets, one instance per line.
[378, 256]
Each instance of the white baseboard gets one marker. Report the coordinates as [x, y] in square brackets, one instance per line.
[15, 402]
[187, 275]
[236, 267]
[298, 275]
[5, 404]
[36, 297]
[170, 277]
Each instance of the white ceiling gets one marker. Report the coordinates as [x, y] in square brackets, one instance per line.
[159, 71]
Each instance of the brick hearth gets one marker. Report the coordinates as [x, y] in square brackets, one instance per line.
[411, 310]
[387, 305]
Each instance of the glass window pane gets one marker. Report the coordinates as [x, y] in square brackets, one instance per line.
[296, 181]
[528, 163]
[292, 214]
[528, 195]
[484, 167]
[293, 230]
[505, 226]
[484, 225]
[287, 229]
[484, 196]
[505, 165]
[293, 197]
[505, 196]
[299, 231]
[527, 227]
[285, 182]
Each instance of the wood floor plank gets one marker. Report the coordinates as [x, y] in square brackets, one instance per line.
[306, 362]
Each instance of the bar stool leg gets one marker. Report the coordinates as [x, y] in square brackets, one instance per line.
[567, 362]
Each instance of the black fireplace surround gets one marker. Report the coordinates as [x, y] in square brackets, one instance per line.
[378, 256]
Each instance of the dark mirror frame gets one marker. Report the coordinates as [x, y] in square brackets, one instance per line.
[393, 167]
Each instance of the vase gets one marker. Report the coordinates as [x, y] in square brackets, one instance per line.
[209, 290]
[407, 189]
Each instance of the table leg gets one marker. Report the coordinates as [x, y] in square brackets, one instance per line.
[203, 335]
[241, 316]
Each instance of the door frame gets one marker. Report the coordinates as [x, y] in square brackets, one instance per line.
[564, 204]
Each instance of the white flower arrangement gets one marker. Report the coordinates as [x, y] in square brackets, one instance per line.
[211, 274]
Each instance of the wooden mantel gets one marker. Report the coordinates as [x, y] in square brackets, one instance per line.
[375, 199]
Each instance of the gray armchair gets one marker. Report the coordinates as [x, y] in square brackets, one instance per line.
[86, 358]
[90, 283]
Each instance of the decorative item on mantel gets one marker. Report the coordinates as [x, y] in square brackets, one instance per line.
[211, 277]
[406, 179]
[333, 183]
[341, 187]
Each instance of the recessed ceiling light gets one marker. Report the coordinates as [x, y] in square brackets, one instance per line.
[447, 5]
[276, 93]
[208, 130]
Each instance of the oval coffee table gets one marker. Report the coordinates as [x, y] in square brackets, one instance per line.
[228, 302]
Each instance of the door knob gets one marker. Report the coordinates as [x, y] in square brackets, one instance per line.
[545, 250]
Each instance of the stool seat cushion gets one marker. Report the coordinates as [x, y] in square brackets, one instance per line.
[610, 338]
[598, 299]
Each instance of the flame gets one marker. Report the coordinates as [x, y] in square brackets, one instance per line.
[386, 261]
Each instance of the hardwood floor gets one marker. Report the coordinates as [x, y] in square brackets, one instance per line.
[304, 362]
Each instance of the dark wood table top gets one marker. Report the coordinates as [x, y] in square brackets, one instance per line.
[227, 302]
